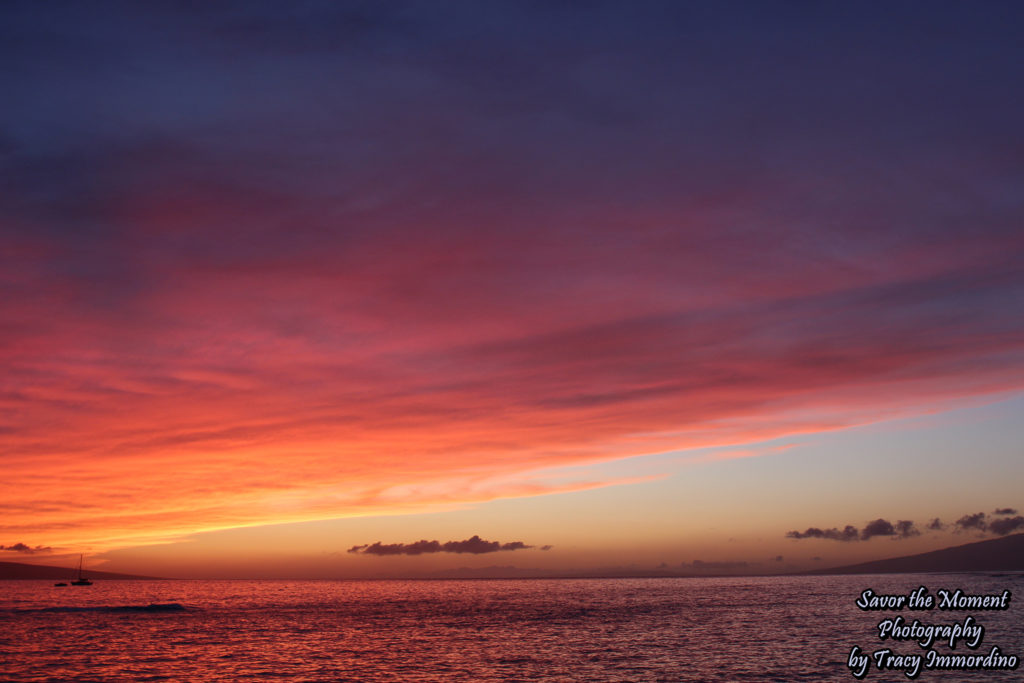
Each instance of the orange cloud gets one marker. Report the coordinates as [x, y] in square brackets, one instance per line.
[104, 467]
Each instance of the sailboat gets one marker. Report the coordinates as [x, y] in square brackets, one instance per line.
[81, 580]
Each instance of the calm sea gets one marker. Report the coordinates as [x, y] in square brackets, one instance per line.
[748, 629]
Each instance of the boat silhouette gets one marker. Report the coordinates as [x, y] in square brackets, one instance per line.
[81, 580]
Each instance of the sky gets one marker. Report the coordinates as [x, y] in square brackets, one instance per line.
[289, 288]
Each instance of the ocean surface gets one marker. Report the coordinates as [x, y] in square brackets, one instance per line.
[721, 629]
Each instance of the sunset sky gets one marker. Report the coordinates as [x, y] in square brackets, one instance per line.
[633, 284]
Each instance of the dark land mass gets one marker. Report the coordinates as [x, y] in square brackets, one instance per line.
[19, 570]
[997, 555]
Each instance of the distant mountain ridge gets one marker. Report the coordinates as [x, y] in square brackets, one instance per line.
[999, 554]
[19, 570]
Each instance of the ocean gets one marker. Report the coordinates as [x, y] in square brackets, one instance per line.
[685, 629]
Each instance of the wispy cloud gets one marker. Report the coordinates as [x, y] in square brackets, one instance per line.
[739, 453]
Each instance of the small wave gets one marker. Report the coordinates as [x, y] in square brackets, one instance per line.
[151, 607]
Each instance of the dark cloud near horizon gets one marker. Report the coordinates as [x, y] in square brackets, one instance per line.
[1000, 527]
[26, 549]
[1007, 522]
[474, 545]
[906, 529]
[903, 528]
[879, 527]
[1007, 525]
[975, 522]
[849, 533]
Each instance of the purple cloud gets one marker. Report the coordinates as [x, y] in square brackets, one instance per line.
[474, 545]
[849, 533]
